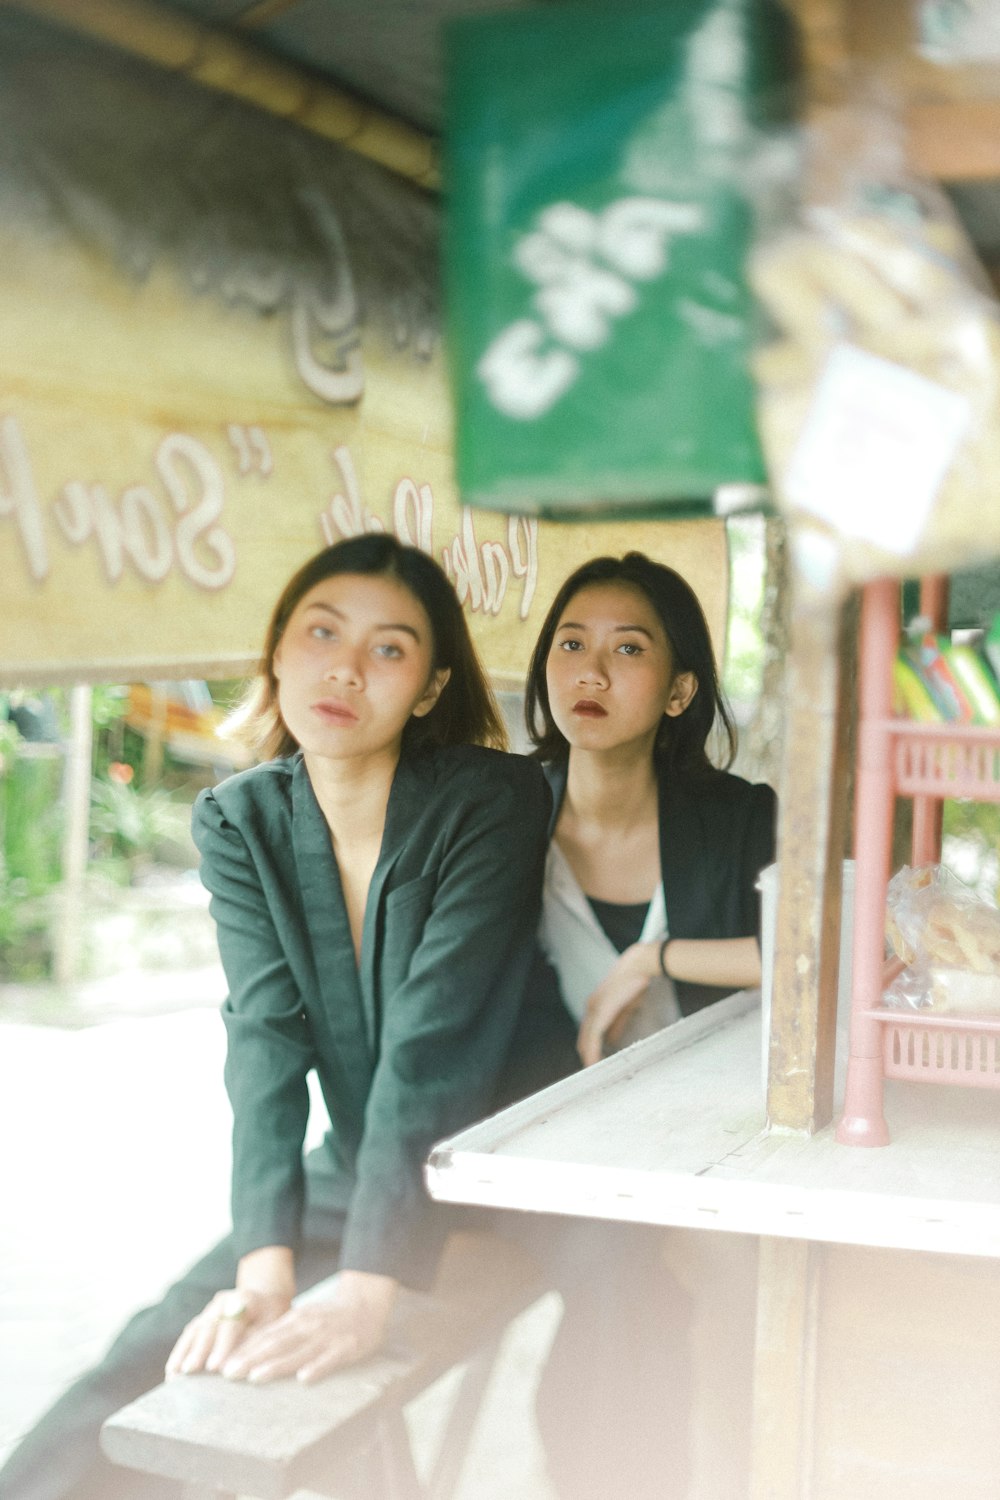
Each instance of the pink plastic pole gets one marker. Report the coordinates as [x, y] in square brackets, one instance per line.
[863, 1122]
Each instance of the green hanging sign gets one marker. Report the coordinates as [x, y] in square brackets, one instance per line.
[597, 228]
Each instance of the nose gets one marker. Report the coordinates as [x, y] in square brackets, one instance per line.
[344, 665]
[591, 670]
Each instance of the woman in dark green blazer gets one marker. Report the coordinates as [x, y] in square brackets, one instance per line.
[376, 886]
[374, 892]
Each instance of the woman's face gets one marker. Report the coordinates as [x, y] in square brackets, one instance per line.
[354, 663]
[610, 671]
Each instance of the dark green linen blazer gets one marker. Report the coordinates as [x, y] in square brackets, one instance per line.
[408, 1046]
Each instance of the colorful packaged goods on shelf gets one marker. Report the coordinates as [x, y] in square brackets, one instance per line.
[911, 696]
[936, 680]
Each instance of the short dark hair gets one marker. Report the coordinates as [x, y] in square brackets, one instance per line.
[682, 742]
[465, 713]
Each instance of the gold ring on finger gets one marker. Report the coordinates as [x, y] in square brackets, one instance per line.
[234, 1308]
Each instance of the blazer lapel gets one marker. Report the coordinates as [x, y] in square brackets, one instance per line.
[555, 775]
[329, 930]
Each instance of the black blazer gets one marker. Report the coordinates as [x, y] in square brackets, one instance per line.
[716, 835]
[408, 1046]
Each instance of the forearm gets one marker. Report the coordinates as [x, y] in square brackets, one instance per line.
[713, 961]
[726, 963]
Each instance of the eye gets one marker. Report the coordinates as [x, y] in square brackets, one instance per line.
[389, 651]
[570, 644]
[630, 648]
[321, 632]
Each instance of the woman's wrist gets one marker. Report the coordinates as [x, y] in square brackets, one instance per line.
[645, 958]
[373, 1295]
[368, 1286]
[269, 1270]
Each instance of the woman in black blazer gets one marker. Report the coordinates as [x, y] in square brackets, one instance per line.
[376, 885]
[650, 894]
[650, 911]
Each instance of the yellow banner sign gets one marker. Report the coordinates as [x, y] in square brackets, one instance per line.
[166, 462]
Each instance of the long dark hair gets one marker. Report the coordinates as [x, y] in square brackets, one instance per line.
[682, 742]
[465, 712]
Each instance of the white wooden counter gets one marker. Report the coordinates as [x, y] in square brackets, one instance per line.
[671, 1131]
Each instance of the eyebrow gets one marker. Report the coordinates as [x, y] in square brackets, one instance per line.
[338, 614]
[638, 629]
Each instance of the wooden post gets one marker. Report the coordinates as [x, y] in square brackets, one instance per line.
[784, 1386]
[76, 798]
[811, 846]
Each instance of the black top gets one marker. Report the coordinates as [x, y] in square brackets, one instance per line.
[621, 923]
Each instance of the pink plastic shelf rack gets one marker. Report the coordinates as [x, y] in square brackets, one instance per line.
[927, 762]
[930, 760]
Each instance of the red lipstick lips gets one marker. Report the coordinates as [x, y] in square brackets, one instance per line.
[588, 709]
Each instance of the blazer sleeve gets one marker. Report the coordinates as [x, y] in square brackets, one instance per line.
[447, 1027]
[737, 820]
[757, 852]
[270, 1049]
[543, 1048]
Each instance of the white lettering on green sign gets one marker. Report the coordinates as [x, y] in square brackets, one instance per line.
[584, 266]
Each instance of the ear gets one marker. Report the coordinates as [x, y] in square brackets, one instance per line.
[682, 690]
[432, 692]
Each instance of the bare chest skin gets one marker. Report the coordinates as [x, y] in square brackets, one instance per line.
[611, 864]
[356, 865]
[355, 812]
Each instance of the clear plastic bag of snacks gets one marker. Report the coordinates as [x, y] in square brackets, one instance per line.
[949, 940]
[878, 367]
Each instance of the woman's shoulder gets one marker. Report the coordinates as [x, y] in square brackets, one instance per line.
[262, 787]
[478, 773]
[724, 789]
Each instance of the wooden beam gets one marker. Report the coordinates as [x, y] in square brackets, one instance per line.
[950, 115]
[883, 39]
[218, 60]
[825, 57]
